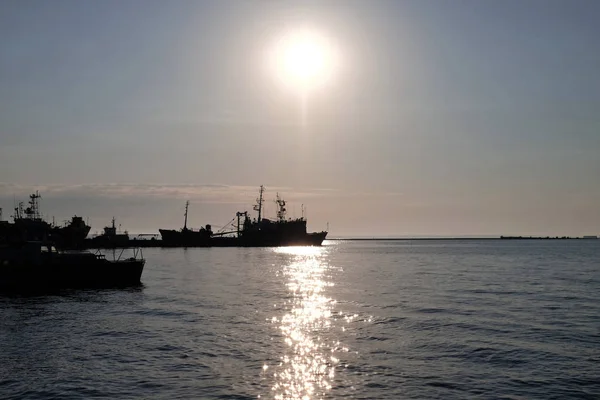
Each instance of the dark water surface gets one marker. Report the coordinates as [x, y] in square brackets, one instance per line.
[370, 320]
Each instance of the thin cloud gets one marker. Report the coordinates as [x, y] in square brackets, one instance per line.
[206, 193]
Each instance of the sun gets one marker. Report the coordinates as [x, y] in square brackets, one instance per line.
[304, 59]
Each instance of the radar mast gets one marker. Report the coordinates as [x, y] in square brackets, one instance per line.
[281, 210]
[187, 204]
[259, 203]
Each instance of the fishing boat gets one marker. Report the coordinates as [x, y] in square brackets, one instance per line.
[186, 237]
[109, 239]
[72, 233]
[247, 232]
[28, 225]
[34, 265]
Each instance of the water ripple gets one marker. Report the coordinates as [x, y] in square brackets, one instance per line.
[364, 320]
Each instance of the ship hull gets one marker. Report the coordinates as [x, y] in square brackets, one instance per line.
[174, 239]
[261, 232]
[23, 270]
[70, 236]
[308, 239]
[109, 242]
[184, 238]
[23, 230]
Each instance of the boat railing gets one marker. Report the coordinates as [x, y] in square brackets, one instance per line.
[134, 253]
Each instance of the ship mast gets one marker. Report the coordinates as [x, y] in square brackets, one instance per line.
[18, 211]
[187, 203]
[259, 203]
[33, 211]
[280, 208]
[240, 214]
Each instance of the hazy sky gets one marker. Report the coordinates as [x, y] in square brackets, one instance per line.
[442, 117]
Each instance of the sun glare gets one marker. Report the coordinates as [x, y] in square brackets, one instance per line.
[304, 60]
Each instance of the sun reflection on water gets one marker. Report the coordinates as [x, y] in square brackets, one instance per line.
[307, 367]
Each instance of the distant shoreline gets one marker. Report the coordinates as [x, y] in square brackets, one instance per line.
[475, 238]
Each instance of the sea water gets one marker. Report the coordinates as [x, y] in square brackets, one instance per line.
[351, 319]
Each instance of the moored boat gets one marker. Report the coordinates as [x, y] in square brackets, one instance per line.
[185, 236]
[28, 225]
[34, 265]
[247, 232]
[109, 239]
[72, 234]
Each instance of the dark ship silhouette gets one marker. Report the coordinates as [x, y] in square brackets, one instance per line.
[186, 237]
[260, 232]
[110, 238]
[32, 255]
[33, 265]
[28, 225]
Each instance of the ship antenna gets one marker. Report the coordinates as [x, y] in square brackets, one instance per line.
[187, 203]
[259, 202]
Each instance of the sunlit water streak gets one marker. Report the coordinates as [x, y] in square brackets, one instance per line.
[307, 367]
